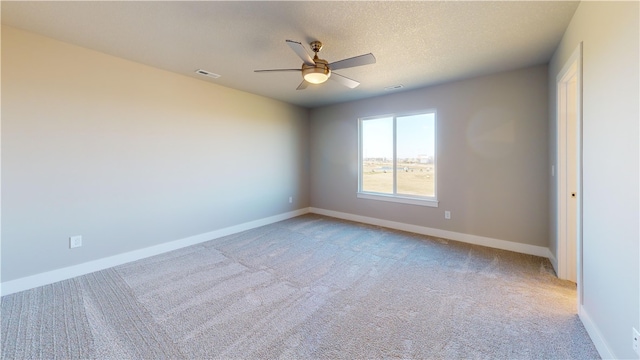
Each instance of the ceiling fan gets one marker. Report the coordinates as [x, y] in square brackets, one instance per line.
[316, 71]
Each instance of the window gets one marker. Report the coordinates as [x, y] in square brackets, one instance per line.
[398, 159]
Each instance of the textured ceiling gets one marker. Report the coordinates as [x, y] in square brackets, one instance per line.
[416, 44]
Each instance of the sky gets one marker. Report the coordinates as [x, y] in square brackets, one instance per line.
[415, 136]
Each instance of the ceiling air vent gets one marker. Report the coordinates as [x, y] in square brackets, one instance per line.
[394, 87]
[207, 73]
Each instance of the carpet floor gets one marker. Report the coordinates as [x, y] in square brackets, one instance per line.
[310, 287]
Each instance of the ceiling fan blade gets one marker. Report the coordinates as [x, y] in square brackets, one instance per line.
[352, 62]
[275, 70]
[298, 48]
[350, 83]
[303, 85]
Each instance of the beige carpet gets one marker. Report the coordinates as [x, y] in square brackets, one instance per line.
[310, 287]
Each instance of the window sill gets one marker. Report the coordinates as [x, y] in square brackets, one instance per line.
[398, 199]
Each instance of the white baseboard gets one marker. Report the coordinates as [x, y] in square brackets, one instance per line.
[53, 276]
[595, 335]
[467, 238]
[554, 262]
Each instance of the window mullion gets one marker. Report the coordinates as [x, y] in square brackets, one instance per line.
[360, 155]
[395, 156]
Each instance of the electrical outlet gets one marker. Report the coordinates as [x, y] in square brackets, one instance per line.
[75, 241]
[636, 340]
[290, 199]
[447, 215]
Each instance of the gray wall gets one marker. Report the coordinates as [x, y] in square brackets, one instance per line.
[611, 208]
[492, 135]
[129, 156]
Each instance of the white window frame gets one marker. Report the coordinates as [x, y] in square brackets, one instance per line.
[430, 201]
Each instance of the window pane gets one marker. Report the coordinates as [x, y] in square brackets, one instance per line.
[377, 155]
[415, 154]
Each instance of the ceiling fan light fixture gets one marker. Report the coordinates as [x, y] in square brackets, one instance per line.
[316, 74]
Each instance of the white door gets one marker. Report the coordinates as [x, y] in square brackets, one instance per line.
[569, 168]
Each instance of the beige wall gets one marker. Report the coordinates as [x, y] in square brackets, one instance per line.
[492, 156]
[129, 156]
[609, 32]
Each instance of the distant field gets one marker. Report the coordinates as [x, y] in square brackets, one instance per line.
[413, 179]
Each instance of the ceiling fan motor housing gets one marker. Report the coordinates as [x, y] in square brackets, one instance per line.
[318, 73]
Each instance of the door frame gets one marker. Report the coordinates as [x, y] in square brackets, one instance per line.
[571, 67]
